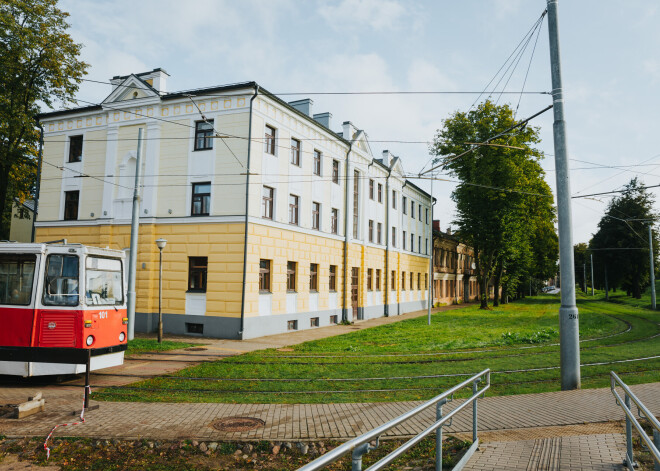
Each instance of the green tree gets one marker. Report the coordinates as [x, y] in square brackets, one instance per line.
[502, 200]
[39, 66]
[580, 261]
[624, 228]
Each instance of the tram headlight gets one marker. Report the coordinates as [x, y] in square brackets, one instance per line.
[122, 336]
[90, 340]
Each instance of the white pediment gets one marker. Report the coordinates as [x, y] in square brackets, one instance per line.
[132, 88]
[397, 167]
[361, 142]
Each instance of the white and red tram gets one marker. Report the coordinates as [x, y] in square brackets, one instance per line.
[59, 305]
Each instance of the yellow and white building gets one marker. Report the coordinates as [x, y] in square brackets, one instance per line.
[273, 221]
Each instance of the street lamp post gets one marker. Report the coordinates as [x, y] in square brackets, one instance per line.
[160, 243]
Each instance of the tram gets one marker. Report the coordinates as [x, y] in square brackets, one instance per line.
[62, 307]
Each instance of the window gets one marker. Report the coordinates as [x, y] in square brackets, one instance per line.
[293, 209]
[291, 325]
[267, 202]
[427, 215]
[334, 319]
[394, 237]
[371, 230]
[316, 215]
[317, 162]
[75, 148]
[419, 207]
[17, 275]
[371, 189]
[412, 209]
[71, 205]
[377, 279]
[335, 171]
[269, 140]
[291, 276]
[380, 193]
[295, 152]
[197, 267]
[314, 322]
[419, 244]
[426, 247]
[404, 202]
[203, 135]
[426, 281]
[394, 280]
[403, 281]
[419, 279]
[104, 281]
[379, 231]
[314, 277]
[356, 197]
[264, 276]
[412, 287]
[61, 284]
[201, 199]
[334, 220]
[332, 281]
[393, 199]
[412, 242]
[194, 328]
[404, 240]
[370, 274]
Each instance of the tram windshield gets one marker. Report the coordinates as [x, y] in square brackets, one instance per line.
[61, 287]
[104, 284]
[16, 277]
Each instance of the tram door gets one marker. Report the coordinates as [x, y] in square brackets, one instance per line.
[355, 285]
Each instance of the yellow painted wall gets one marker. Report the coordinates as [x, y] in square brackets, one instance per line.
[50, 192]
[93, 162]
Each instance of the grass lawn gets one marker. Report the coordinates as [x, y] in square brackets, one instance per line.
[138, 346]
[407, 360]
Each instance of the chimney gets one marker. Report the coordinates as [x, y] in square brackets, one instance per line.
[324, 118]
[387, 158]
[349, 131]
[157, 78]
[436, 225]
[304, 106]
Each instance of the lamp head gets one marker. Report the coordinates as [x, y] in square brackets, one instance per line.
[161, 243]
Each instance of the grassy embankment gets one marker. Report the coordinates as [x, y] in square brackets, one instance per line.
[385, 363]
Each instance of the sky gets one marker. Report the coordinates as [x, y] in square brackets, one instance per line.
[609, 52]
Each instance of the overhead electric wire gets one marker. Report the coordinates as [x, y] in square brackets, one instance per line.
[538, 33]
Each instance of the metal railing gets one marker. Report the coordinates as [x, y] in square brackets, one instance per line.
[643, 412]
[361, 445]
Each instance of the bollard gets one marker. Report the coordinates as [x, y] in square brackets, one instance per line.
[359, 452]
[438, 436]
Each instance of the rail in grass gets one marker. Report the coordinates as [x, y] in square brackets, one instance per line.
[361, 445]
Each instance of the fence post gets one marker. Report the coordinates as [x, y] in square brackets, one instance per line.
[438, 436]
[629, 461]
[656, 442]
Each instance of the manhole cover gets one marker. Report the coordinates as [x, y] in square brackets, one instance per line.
[237, 424]
[195, 349]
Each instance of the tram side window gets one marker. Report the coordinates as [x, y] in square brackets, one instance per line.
[61, 286]
[16, 277]
[103, 283]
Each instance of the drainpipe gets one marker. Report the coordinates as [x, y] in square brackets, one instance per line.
[344, 311]
[37, 189]
[247, 194]
[387, 244]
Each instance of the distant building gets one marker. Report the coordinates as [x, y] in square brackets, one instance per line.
[454, 274]
[279, 224]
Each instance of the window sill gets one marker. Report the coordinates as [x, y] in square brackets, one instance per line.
[265, 292]
[290, 291]
[200, 215]
[198, 291]
[201, 150]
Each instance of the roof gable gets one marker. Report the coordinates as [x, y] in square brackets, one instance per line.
[131, 88]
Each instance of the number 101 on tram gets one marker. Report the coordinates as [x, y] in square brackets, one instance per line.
[60, 306]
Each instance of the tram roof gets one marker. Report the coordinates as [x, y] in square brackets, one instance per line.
[19, 247]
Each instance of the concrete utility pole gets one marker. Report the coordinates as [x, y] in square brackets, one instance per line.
[568, 313]
[584, 277]
[135, 225]
[592, 274]
[652, 267]
[431, 281]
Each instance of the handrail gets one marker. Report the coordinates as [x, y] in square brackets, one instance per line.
[365, 438]
[631, 420]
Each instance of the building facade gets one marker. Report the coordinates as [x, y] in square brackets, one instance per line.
[454, 273]
[273, 221]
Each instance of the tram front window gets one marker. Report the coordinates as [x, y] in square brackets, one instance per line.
[16, 277]
[61, 287]
[103, 281]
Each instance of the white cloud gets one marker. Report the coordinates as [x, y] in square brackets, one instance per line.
[375, 14]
